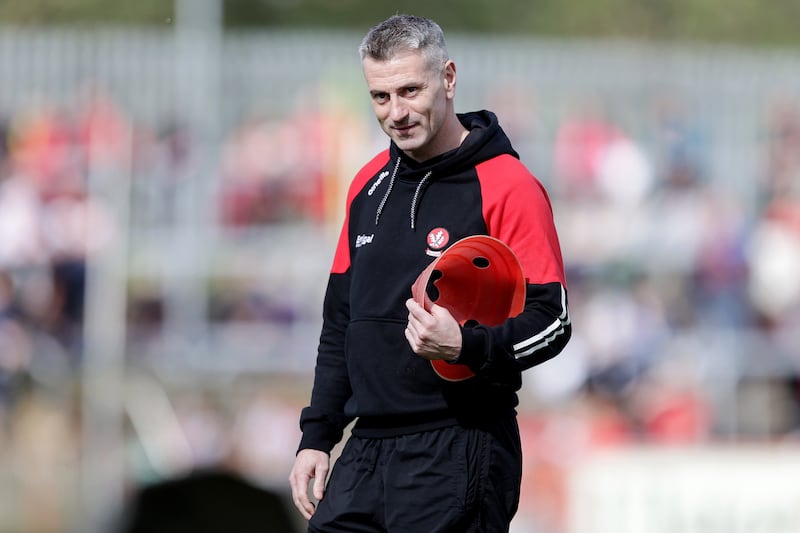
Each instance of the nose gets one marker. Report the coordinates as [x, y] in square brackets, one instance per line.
[398, 111]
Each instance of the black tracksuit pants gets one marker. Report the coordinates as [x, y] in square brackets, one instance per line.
[453, 479]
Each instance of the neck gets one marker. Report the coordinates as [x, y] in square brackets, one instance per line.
[455, 133]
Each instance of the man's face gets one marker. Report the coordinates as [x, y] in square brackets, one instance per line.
[411, 101]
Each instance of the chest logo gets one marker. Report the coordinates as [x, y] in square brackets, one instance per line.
[437, 240]
[382, 175]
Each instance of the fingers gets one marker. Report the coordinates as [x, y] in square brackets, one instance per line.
[418, 317]
[421, 317]
[432, 335]
[414, 309]
[308, 464]
[422, 325]
[319, 487]
[300, 496]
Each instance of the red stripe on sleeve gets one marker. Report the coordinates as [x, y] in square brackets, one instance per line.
[517, 211]
[341, 259]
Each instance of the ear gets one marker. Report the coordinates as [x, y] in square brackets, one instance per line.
[450, 78]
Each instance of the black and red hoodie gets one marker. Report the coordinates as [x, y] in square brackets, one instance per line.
[400, 213]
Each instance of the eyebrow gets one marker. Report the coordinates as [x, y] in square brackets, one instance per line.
[415, 84]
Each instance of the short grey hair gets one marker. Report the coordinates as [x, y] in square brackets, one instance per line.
[400, 33]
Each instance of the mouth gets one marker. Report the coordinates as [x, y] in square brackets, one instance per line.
[404, 129]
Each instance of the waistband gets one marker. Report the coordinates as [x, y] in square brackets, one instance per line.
[405, 424]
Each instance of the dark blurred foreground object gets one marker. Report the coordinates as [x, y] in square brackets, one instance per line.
[207, 502]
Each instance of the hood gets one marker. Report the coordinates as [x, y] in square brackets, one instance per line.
[486, 139]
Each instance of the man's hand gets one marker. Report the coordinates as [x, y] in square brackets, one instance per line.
[434, 335]
[307, 465]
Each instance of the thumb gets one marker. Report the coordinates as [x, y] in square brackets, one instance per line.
[441, 312]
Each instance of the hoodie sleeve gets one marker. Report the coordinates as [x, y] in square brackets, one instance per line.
[323, 421]
[517, 211]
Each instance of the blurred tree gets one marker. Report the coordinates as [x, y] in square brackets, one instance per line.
[733, 21]
[48, 12]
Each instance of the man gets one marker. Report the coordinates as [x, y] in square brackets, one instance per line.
[425, 454]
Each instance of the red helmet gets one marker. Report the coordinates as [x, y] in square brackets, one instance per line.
[478, 279]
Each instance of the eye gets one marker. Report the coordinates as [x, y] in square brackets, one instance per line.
[380, 98]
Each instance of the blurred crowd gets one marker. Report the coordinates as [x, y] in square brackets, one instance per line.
[684, 294]
[56, 164]
[681, 285]
[684, 288]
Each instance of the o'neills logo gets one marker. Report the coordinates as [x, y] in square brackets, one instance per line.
[382, 175]
[437, 240]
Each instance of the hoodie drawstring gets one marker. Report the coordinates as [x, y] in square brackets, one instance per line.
[414, 201]
[417, 195]
[388, 192]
